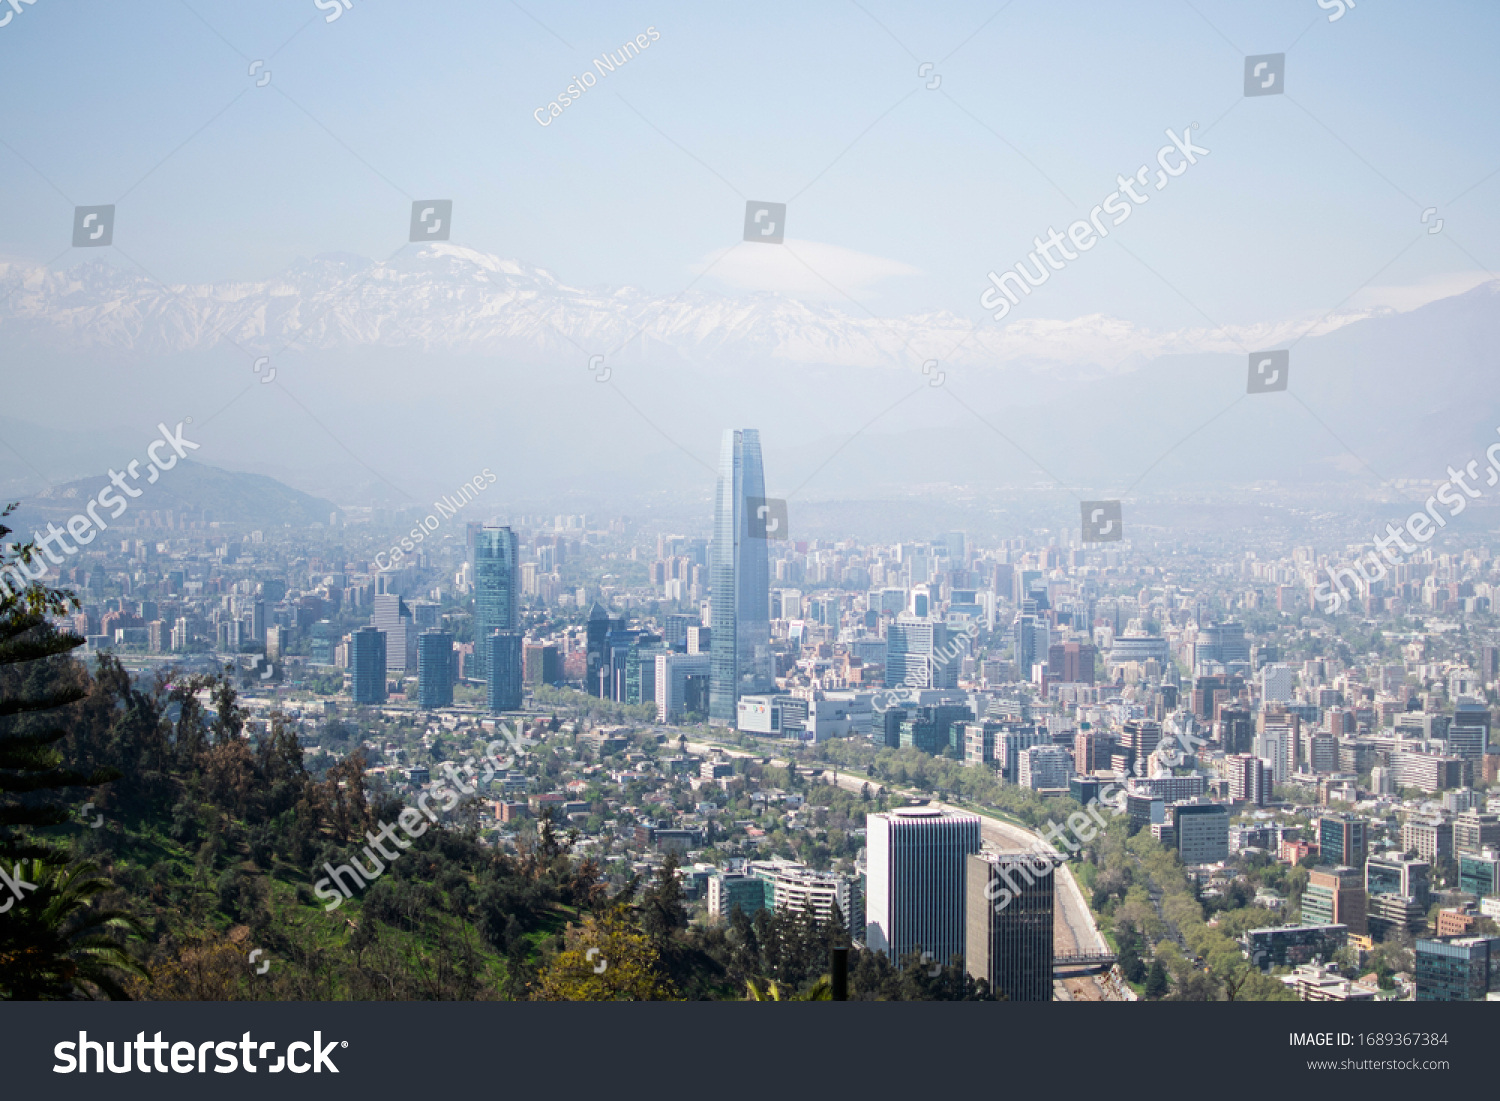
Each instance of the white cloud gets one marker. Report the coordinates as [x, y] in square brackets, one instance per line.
[784, 268]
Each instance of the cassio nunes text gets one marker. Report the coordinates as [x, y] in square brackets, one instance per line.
[184, 1057]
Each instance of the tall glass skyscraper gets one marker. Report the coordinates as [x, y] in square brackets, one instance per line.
[435, 669]
[367, 665]
[503, 659]
[497, 575]
[739, 575]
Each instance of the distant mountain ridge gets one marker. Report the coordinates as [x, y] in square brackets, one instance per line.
[188, 490]
[441, 297]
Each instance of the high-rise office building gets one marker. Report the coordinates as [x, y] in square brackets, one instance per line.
[1457, 969]
[673, 671]
[739, 575]
[1469, 733]
[1336, 896]
[1045, 768]
[1008, 925]
[1342, 839]
[1277, 745]
[1276, 683]
[1200, 829]
[1478, 873]
[1221, 644]
[917, 654]
[542, 663]
[1071, 662]
[1394, 874]
[1030, 642]
[497, 579]
[597, 628]
[1092, 750]
[504, 671]
[367, 665]
[393, 618]
[915, 880]
[434, 669]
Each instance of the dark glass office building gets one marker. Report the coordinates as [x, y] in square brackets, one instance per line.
[1457, 969]
[739, 576]
[435, 669]
[505, 671]
[1008, 925]
[367, 665]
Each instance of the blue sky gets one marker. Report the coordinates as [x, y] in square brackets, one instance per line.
[1304, 198]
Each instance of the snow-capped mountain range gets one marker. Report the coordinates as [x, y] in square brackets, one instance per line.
[444, 298]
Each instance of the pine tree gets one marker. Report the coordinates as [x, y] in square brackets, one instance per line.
[30, 764]
[1156, 981]
[53, 942]
[663, 913]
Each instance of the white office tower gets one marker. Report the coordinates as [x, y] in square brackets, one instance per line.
[915, 881]
[392, 616]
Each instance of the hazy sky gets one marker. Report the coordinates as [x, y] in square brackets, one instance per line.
[905, 196]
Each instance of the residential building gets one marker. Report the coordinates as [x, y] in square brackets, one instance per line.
[1473, 832]
[1045, 768]
[1430, 772]
[1430, 839]
[1250, 779]
[796, 887]
[1322, 983]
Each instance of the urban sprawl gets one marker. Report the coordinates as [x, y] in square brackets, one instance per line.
[1079, 774]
